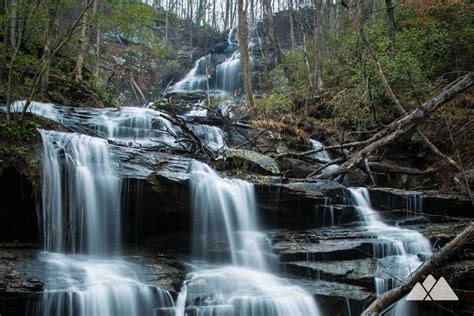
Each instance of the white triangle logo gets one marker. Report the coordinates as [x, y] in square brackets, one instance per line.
[432, 290]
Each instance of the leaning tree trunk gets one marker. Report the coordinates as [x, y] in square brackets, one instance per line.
[391, 25]
[318, 41]
[82, 46]
[267, 6]
[438, 259]
[405, 124]
[244, 52]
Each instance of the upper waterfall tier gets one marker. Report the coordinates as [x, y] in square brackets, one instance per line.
[220, 74]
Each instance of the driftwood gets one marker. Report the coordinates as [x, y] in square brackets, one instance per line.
[438, 259]
[405, 124]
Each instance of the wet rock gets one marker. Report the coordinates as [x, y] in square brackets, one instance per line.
[181, 101]
[356, 272]
[21, 277]
[301, 204]
[429, 202]
[18, 219]
[251, 161]
[295, 168]
[337, 299]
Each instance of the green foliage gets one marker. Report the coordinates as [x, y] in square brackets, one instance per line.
[135, 22]
[19, 132]
[276, 102]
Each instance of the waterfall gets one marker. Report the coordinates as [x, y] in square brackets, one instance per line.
[212, 136]
[395, 248]
[228, 76]
[196, 78]
[135, 126]
[232, 274]
[80, 195]
[322, 156]
[80, 218]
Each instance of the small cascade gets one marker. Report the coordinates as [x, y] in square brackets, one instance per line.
[224, 77]
[225, 229]
[414, 204]
[47, 110]
[212, 136]
[322, 156]
[80, 218]
[136, 127]
[396, 248]
[196, 78]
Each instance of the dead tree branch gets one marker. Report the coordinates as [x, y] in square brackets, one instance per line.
[438, 259]
[405, 124]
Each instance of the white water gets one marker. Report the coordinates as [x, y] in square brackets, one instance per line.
[132, 126]
[322, 156]
[396, 248]
[212, 136]
[80, 213]
[235, 277]
[39, 108]
[80, 195]
[136, 127]
[228, 76]
[196, 78]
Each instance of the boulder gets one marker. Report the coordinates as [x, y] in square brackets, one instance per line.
[251, 161]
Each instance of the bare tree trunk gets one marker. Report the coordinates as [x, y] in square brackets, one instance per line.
[228, 7]
[244, 53]
[403, 125]
[97, 40]
[391, 25]
[267, 7]
[292, 24]
[437, 260]
[13, 21]
[305, 53]
[82, 46]
[51, 12]
[66, 38]
[4, 26]
[318, 40]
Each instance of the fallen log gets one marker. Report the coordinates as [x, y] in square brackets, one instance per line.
[403, 125]
[438, 259]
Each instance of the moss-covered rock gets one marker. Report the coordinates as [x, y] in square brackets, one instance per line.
[250, 160]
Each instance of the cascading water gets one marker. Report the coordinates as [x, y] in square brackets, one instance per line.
[396, 248]
[228, 76]
[322, 156]
[80, 215]
[136, 127]
[81, 195]
[197, 77]
[226, 230]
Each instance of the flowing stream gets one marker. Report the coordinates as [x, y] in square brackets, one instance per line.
[232, 274]
[395, 248]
